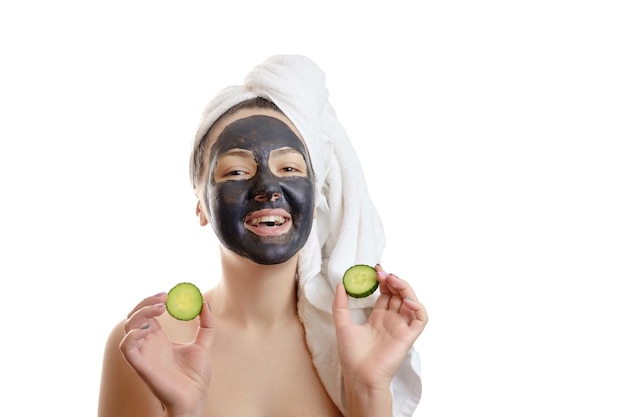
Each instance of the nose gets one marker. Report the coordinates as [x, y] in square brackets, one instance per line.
[266, 196]
[266, 188]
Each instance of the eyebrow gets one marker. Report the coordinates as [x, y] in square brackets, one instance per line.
[244, 153]
[285, 151]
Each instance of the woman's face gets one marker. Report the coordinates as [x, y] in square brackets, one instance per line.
[260, 190]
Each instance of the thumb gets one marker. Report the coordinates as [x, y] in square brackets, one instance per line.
[206, 327]
[341, 308]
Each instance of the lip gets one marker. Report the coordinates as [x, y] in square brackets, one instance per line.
[261, 229]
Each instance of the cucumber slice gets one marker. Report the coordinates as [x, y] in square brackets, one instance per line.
[184, 301]
[360, 281]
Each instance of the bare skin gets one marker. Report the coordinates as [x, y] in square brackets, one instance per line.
[246, 355]
[260, 362]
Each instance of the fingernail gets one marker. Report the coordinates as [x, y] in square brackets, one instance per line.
[409, 298]
[159, 305]
[209, 305]
[145, 326]
[158, 294]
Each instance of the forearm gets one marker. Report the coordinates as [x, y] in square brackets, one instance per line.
[366, 401]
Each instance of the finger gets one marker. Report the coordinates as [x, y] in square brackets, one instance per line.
[133, 340]
[412, 304]
[421, 319]
[341, 308]
[382, 302]
[420, 313]
[206, 327]
[381, 276]
[145, 316]
[400, 287]
[395, 303]
[131, 345]
[149, 301]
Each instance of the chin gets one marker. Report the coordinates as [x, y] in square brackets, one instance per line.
[265, 258]
[273, 260]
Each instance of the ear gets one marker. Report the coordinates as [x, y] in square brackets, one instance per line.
[200, 213]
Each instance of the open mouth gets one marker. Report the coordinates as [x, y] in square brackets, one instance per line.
[267, 221]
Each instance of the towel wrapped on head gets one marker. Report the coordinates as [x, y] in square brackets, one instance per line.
[347, 230]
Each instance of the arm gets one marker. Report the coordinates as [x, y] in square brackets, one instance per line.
[371, 354]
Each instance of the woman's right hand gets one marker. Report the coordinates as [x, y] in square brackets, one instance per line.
[178, 374]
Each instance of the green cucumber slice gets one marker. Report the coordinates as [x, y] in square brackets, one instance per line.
[184, 301]
[360, 281]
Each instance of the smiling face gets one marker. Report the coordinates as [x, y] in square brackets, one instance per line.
[260, 192]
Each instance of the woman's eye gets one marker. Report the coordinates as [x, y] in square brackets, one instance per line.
[292, 170]
[235, 173]
[288, 162]
[236, 164]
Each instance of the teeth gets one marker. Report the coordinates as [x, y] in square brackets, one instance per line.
[275, 220]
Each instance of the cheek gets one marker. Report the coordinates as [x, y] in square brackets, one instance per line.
[302, 192]
[228, 195]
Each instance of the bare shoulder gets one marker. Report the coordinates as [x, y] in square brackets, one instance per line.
[122, 392]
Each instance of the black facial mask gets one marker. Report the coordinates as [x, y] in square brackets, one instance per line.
[266, 215]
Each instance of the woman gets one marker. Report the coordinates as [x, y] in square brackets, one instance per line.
[278, 180]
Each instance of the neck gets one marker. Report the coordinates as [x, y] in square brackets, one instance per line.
[254, 295]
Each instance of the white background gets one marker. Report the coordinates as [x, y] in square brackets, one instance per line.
[491, 133]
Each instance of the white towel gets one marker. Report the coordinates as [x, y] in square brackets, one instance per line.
[347, 230]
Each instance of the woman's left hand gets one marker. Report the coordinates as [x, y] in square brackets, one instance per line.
[370, 354]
